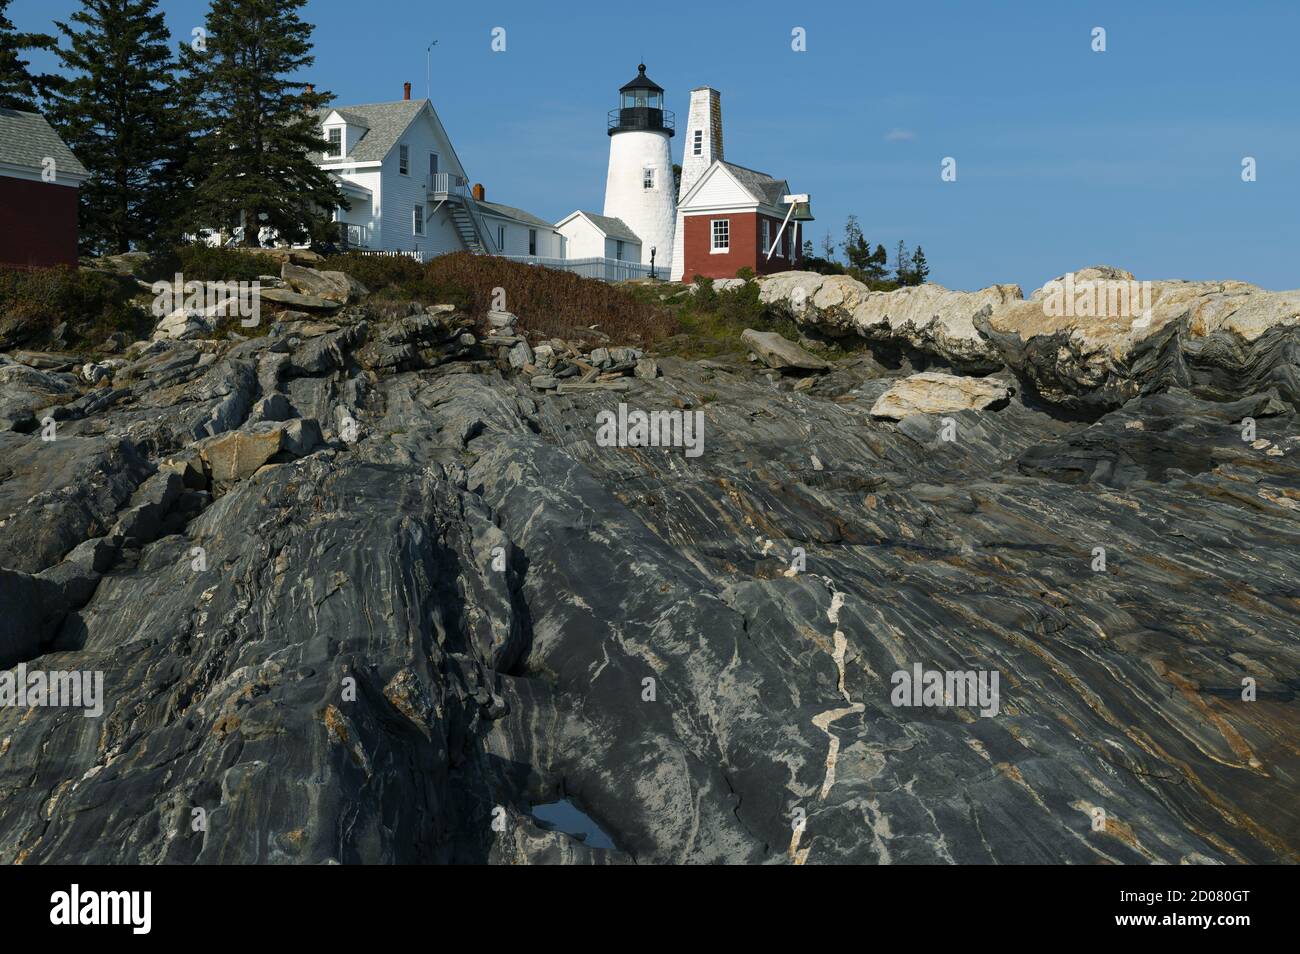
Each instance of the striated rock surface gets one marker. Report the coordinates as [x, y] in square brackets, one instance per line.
[1117, 337]
[1217, 339]
[456, 604]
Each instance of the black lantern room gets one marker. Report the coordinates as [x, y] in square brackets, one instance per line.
[641, 107]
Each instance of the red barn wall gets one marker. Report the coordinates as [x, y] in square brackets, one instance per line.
[38, 223]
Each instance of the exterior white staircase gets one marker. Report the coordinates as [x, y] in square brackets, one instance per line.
[445, 187]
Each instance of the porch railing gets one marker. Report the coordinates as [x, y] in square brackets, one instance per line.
[444, 184]
[352, 237]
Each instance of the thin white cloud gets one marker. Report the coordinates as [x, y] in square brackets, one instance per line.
[900, 135]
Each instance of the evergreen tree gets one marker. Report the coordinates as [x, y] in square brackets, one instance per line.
[117, 114]
[828, 247]
[902, 265]
[808, 251]
[19, 87]
[256, 127]
[920, 267]
[877, 266]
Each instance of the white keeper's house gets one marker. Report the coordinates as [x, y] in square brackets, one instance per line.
[408, 192]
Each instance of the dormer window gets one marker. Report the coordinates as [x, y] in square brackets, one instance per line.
[334, 141]
[404, 160]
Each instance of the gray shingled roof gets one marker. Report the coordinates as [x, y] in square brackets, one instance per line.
[613, 228]
[26, 139]
[760, 185]
[510, 212]
[385, 123]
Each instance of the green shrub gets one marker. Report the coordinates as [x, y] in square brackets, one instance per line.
[741, 305]
[706, 299]
[204, 263]
[377, 272]
[397, 277]
[94, 305]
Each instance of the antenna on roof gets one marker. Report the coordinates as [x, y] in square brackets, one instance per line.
[428, 70]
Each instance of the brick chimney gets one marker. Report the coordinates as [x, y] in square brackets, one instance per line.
[478, 192]
[310, 89]
[406, 91]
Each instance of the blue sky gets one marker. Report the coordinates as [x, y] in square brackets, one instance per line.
[1065, 157]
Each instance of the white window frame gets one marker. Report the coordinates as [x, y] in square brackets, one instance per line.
[532, 241]
[767, 235]
[417, 219]
[403, 160]
[501, 238]
[618, 250]
[697, 147]
[648, 179]
[714, 232]
[330, 144]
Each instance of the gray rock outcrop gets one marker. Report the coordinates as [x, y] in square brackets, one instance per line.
[388, 626]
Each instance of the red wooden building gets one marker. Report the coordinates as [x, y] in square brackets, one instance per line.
[733, 217]
[39, 178]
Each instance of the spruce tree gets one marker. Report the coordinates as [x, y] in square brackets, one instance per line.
[118, 114]
[902, 269]
[256, 126]
[920, 267]
[19, 87]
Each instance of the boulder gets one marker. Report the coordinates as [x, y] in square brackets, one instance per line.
[932, 392]
[292, 299]
[519, 355]
[1096, 338]
[236, 455]
[273, 407]
[927, 318]
[780, 353]
[332, 286]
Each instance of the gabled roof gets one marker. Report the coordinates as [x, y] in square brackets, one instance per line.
[609, 226]
[26, 139]
[351, 118]
[510, 212]
[759, 186]
[384, 124]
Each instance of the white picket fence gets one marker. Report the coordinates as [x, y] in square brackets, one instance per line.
[605, 269]
[419, 256]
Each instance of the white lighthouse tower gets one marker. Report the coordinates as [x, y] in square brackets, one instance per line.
[639, 187]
